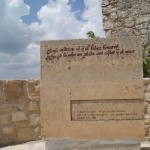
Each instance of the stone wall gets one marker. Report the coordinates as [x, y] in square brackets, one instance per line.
[147, 107]
[19, 111]
[127, 18]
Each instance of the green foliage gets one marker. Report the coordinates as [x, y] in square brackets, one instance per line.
[91, 34]
[146, 64]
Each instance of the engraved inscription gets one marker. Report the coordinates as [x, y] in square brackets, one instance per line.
[103, 110]
[90, 50]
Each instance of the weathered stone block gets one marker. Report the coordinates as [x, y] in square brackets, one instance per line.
[147, 96]
[36, 98]
[140, 9]
[108, 25]
[129, 22]
[20, 106]
[21, 124]
[148, 109]
[145, 8]
[147, 117]
[107, 10]
[146, 129]
[34, 120]
[7, 130]
[143, 19]
[143, 26]
[124, 4]
[6, 108]
[33, 106]
[5, 140]
[147, 89]
[144, 31]
[19, 116]
[121, 13]
[145, 107]
[149, 131]
[147, 138]
[117, 24]
[33, 90]
[146, 81]
[113, 15]
[144, 39]
[4, 119]
[122, 32]
[112, 2]
[14, 90]
[147, 121]
[25, 134]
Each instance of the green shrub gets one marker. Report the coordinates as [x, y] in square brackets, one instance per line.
[146, 64]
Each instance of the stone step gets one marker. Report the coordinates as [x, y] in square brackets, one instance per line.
[79, 145]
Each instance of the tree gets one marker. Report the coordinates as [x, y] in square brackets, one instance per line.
[91, 34]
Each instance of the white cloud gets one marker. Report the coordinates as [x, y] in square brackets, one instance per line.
[17, 8]
[93, 15]
[59, 22]
[23, 65]
[14, 36]
[19, 43]
[18, 58]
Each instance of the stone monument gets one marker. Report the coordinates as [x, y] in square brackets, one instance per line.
[92, 89]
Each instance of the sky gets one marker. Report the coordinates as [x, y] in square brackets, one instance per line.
[24, 23]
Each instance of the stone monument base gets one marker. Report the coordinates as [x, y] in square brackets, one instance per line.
[92, 145]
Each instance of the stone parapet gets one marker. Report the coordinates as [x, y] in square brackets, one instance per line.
[20, 114]
[19, 111]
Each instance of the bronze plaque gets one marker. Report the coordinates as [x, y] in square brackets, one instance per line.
[104, 110]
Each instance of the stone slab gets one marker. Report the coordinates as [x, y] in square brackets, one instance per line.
[145, 145]
[34, 145]
[52, 144]
[88, 70]
[16, 147]
[91, 145]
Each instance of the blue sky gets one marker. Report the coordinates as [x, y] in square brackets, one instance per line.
[35, 6]
[24, 23]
